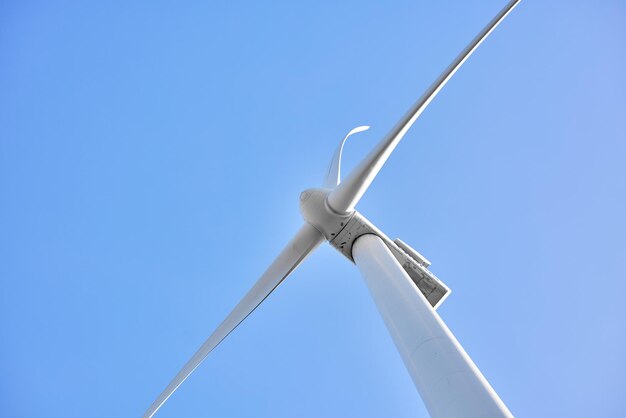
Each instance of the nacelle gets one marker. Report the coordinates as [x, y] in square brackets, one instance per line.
[415, 265]
[342, 230]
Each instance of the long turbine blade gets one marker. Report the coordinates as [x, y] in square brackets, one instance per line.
[347, 194]
[305, 241]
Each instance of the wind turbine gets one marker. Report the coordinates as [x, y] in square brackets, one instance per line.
[404, 290]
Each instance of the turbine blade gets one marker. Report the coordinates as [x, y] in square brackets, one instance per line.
[347, 194]
[334, 170]
[305, 241]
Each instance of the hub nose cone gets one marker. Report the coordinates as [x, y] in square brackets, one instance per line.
[316, 212]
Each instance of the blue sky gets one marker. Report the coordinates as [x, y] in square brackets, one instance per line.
[151, 157]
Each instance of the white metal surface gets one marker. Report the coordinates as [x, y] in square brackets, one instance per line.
[334, 170]
[315, 210]
[305, 241]
[349, 192]
[433, 289]
[448, 381]
[412, 252]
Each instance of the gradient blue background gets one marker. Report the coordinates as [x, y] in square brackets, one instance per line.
[151, 157]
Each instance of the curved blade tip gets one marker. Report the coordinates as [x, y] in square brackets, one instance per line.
[358, 129]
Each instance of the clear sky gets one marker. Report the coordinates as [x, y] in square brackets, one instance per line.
[151, 157]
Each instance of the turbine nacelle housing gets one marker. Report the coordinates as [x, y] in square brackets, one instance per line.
[342, 231]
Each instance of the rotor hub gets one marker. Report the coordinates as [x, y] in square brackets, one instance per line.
[316, 211]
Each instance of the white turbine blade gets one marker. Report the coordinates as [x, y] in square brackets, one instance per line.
[447, 379]
[334, 170]
[305, 241]
[347, 194]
